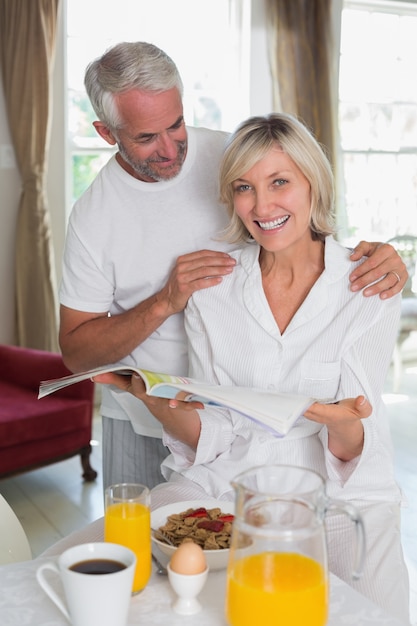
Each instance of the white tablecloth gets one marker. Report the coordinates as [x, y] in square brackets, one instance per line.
[23, 603]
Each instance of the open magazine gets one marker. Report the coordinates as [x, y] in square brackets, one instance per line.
[274, 410]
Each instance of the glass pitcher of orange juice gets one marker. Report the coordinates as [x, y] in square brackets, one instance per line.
[127, 521]
[277, 571]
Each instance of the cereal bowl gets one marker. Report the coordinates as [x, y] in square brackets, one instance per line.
[216, 559]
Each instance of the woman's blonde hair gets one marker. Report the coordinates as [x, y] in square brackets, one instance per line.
[251, 141]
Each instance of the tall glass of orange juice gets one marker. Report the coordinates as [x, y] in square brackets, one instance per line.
[127, 521]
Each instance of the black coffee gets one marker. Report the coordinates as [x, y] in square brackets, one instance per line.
[98, 566]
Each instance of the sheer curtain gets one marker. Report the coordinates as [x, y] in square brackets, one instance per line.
[304, 42]
[27, 41]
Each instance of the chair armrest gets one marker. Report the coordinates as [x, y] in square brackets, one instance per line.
[27, 367]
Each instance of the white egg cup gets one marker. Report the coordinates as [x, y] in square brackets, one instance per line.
[187, 587]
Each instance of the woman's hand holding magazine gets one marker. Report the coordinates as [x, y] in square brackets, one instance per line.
[135, 385]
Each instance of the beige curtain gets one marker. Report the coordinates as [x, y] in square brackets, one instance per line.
[27, 43]
[304, 62]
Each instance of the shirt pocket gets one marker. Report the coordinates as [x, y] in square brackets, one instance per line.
[319, 380]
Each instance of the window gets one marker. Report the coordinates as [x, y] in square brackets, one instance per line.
[207, 41]
[378, 119]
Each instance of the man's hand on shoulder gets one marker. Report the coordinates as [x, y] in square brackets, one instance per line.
[194, 271]
[383, 265]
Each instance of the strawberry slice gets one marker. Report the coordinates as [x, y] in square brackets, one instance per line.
[214, 525]
[201, 512]
[226, 518]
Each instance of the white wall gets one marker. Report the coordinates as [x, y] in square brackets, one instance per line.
[57, 163]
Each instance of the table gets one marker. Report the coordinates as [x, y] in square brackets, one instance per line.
[23, 603]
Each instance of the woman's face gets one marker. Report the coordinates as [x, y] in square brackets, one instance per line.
[273, 201]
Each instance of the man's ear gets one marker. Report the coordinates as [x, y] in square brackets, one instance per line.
[105, 132]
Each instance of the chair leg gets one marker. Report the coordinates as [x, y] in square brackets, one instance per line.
[89, 474]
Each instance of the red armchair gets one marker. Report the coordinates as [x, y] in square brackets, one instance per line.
[33, 432]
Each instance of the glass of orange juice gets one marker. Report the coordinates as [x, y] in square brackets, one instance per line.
[127, 521]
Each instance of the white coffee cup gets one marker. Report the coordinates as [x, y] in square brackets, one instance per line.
[91, 597]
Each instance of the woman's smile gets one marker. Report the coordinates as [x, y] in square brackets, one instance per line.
[273, 224]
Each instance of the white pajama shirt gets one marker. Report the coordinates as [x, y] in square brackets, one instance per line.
[338, 345]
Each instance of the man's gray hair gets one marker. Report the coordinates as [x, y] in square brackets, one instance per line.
[126, 66]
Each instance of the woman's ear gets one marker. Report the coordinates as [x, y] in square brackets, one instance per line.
[105, 132]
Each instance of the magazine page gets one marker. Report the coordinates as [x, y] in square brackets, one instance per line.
[47, 387]
[276, 411]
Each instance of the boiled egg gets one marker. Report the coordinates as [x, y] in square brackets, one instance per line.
[188, 559]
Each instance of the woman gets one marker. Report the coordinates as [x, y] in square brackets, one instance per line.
[286, 319]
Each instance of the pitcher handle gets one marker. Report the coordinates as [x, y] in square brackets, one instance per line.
[360, 545]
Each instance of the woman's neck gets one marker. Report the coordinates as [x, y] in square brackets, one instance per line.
[287, 279]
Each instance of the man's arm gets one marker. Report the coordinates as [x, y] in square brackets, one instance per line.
[383, 265]
[89, 339]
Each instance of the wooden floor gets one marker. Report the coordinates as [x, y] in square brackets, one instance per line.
[54, 501]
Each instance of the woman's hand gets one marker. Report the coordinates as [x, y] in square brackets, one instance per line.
[132, 384]
[176, 416]
[344, 425]
[345, 411]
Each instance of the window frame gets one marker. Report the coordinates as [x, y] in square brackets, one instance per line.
[240, 16]
[345, 225]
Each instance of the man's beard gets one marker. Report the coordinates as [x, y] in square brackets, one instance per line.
[146, 169]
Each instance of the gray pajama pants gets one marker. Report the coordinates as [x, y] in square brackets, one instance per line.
[129, 457]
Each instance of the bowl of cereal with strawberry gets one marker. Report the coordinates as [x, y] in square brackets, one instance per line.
[207, 523]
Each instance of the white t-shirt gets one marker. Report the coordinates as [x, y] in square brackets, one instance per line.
[338, 345]
[124, 236]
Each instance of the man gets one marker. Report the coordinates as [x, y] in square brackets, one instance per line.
[143, 238]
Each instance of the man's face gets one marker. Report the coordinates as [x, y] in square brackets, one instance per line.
[153, 141]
